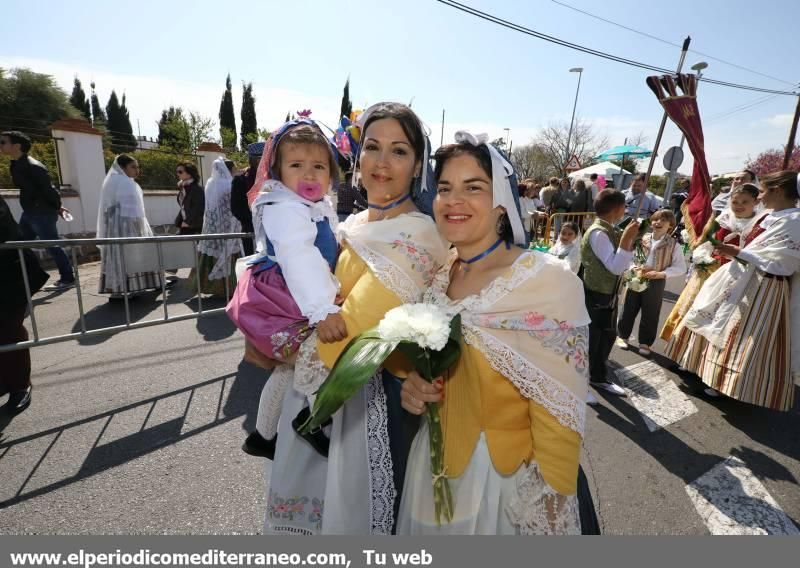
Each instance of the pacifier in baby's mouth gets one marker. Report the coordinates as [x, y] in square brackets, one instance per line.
[309, 190]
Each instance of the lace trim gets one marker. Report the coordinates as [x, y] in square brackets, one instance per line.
[531, 381]
[538, 509]
[310, 372]
[381, 478]
[525, 267]
[291, 530]
[390, 275]
[271, 403]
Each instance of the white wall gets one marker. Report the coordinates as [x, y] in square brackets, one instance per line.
[64, 228]
[83, 169]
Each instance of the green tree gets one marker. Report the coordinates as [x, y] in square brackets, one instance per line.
[182, 133]
[128, 127]
[227, 120]
[98, 116]
[79, 101]
[347, 104]
[288, 117]
[31, 101]
[249, 121]
[118, 124]
[168, 135]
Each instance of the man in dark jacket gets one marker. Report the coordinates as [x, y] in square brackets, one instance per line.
[40, 201]
[239, 188]
[15, 366]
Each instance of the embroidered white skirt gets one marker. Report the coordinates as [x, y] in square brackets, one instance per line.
[485, 502]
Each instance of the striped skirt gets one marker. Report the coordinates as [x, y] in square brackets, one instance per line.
[686, 299]
[754, 364]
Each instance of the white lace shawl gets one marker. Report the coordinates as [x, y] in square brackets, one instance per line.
[718, 306]
[122, 192]
[218, 219]
[539, 298]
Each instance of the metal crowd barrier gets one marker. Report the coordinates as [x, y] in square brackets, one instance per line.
[583, 220]
[159, 241]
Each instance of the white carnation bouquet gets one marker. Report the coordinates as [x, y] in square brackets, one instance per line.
[701, 255]
[634, 281]
[430, 338]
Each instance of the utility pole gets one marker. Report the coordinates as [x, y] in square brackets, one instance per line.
[792, 133]
[441, 139]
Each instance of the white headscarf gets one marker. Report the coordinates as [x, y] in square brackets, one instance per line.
[218, 219]
[218, 186]
[119, 190]
[502, 193]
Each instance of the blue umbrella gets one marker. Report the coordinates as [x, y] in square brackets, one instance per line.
[624, 151]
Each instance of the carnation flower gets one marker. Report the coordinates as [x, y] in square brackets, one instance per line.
[702, 254]
[424, 324]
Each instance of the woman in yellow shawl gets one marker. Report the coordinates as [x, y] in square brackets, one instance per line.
[513, 406]
[388, 257]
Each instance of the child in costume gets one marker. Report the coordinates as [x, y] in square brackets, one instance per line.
[567, 248]
[661, 258]
[289, 288]
[739, 225]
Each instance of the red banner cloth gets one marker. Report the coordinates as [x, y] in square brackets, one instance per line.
[678, 96]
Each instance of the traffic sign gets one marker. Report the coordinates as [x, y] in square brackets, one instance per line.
[673, 158]
[573, 164]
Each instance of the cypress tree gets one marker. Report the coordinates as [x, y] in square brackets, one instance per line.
[127, 127]
[227, 120]
[98, 116]
[79, 101]
[249, 122]
[288, 117]
[347, 104]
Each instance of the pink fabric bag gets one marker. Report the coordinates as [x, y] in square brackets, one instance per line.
[265, 312]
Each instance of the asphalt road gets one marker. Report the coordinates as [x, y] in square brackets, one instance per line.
[140, 432]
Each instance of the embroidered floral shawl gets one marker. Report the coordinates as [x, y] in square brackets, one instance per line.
[532, 327]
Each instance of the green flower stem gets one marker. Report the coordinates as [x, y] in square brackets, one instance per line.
[442, 497]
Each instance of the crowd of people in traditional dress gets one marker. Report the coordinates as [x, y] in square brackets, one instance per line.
[538, 326]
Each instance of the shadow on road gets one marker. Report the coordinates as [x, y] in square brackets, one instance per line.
[684, 461]
[242, 401]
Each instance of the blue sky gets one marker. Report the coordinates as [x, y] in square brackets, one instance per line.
[299, 53]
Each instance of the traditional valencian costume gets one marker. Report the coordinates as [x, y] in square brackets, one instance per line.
[733, 231]
[514, 406]
[382, 264]
[121, 214]
[741, 336]
[217, 258]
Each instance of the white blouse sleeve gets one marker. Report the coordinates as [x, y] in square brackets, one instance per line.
[308, 276]
[616, 262]
[785, 266]
[678, 265]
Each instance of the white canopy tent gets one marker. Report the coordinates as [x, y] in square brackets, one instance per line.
[606, 169]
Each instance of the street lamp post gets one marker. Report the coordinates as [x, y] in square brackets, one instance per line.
[698, 67]
[508, 140]
[579, 71]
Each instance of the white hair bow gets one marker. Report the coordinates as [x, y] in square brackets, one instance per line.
[502, 192]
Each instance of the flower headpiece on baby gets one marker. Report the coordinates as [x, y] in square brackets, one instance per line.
[266, 167]
[504, 182]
